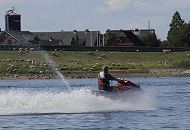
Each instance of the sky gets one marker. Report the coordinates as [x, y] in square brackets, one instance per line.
[69, 15]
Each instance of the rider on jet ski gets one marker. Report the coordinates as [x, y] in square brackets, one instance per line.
[104, 80]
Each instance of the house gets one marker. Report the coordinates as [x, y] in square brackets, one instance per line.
[121, 38]
[13, 36]
[66, 38]
[70, 38]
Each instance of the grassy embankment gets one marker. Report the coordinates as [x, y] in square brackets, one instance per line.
[85, 63]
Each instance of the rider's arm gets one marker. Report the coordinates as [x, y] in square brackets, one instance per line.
[110, 77]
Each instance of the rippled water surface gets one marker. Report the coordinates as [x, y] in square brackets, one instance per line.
[48, 104]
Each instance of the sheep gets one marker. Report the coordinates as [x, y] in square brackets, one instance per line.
[103, 55]
[31, 49]
[54, 54]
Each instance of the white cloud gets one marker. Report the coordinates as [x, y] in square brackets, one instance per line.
[142, 5]
[13, 2]
[160, 7]
[177, 3]
[113, 5]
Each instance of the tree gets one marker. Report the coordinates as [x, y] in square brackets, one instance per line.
[175, 34]
[185, 31]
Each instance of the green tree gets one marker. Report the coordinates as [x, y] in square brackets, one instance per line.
[185, 31]
[175, 34]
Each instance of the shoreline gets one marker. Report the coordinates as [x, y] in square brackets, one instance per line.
[93, 74]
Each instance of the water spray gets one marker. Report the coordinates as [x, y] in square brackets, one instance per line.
[55, 67]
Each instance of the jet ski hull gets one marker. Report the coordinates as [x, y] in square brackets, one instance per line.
[120, 90]
[119, 95]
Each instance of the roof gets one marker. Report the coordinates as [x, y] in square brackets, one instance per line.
[124, 38]
[85, 38]
[65, 37]
[133, 38]
[12, 11]
[118, 34]
[69, 38]
[143, 32]
[21, 36]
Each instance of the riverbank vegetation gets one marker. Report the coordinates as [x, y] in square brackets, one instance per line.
[77, 63]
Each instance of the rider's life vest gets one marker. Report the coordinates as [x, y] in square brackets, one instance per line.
[103, 82]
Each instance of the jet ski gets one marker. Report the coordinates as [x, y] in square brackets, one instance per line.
[123, 88]
[126, 85]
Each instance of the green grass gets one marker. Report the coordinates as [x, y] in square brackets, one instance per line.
[124, 60]
[85, 61]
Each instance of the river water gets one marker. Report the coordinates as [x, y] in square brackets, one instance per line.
[48, 104]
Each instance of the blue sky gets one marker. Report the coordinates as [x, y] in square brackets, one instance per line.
[68, 15]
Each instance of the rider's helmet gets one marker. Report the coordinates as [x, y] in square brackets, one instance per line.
[105, 68]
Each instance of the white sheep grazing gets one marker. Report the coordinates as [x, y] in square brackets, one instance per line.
[31, 49]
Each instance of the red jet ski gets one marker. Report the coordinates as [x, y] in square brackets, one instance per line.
[126, 85]
[120, 90]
